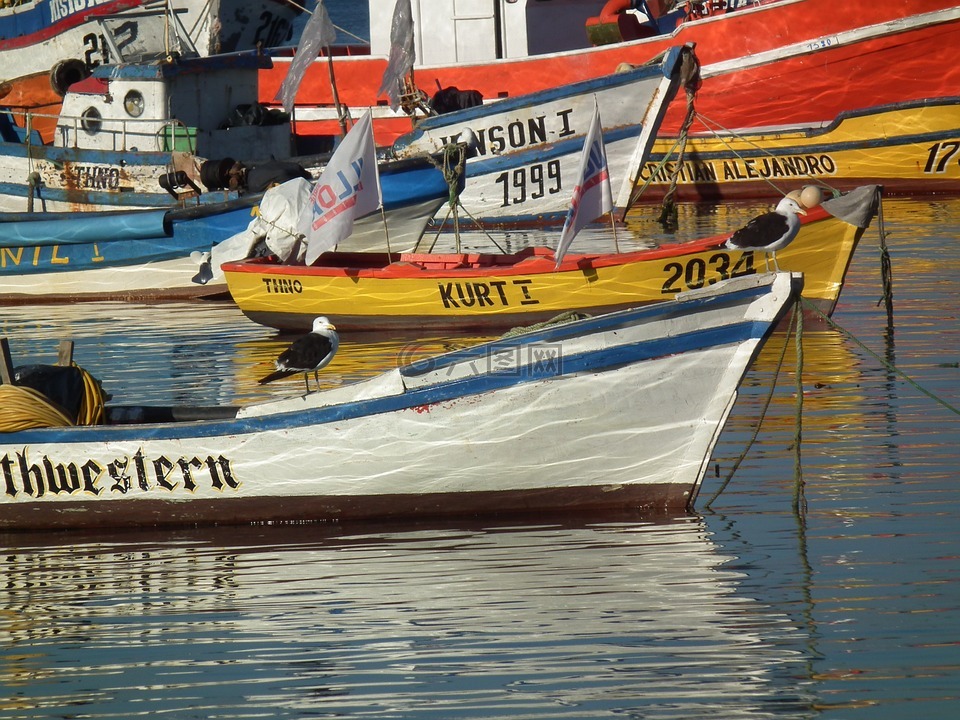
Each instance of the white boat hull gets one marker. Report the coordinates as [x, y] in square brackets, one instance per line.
[620, 411]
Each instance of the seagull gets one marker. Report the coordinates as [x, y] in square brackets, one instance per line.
[771, 231]
[310, 353]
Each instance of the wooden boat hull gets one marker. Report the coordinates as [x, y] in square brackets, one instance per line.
[526, 151]
[38, 38]
[908, 148]
[574, 418]
[153, 254]
[495, 291]
[830, 74]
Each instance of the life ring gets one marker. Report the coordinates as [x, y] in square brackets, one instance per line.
[67, 72]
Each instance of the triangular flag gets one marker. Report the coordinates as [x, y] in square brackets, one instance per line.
[402, 52]
[348, 188]
[317, 33]
[592, 196]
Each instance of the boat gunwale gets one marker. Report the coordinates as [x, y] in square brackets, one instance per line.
[531, 260]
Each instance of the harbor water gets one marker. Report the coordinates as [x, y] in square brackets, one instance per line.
[817, 577]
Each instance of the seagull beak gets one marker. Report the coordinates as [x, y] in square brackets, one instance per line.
[801, 211]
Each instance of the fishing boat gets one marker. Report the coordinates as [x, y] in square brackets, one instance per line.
[525, 151]
[153, 254]
[843, 53]
[47, 45]
[909, 148]
[483, 291]
[615, 412]
[157, 127]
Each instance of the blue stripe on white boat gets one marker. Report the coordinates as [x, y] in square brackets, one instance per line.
[584, 87]
[592, 361]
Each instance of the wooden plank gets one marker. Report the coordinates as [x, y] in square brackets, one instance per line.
[6, 363]
[65, 356]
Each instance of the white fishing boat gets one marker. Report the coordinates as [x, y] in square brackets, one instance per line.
[615, 412]
[526, 150]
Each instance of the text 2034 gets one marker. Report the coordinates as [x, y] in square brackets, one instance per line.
[700, 271]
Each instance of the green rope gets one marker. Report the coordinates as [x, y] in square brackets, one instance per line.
[763, 414]
[565, 317]
[892, 368]
[799, 501]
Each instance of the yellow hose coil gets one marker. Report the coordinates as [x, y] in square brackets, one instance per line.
[23, 408]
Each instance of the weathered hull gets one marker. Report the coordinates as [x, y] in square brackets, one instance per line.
[574, 417]
[908, 148]
[39, 36]
[151, 255]
[491, 292]
[527, 150]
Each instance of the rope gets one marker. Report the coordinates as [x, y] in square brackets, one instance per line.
[763, 414]
[23, 408]
[565, 317]
[690, 76]
[716, 128]
[889, 366]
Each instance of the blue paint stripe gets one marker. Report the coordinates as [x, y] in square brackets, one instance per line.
[584, 87]
[441, 392]
[605, 322]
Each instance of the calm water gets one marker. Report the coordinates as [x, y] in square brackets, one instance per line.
[743, 609]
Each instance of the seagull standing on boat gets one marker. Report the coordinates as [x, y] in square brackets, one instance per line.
[309, 353]
[771, 231]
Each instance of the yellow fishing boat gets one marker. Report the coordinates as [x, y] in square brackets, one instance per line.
[908, 148]
[366, 291]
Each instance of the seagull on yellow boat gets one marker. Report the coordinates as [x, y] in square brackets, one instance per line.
[307, 354]
[771, 231]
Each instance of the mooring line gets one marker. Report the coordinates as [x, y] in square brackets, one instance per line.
[889, 366]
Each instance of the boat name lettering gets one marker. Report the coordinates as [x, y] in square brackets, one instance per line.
[531, 181]
[122, 475]
[940, 156]
[94, 177]
[282, 286]
[489, 293]
[744, 169]
[59, 9]
[47, 256]
[519, 133]
[702, 270]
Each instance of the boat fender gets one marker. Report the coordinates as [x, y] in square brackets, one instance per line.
[67, 72]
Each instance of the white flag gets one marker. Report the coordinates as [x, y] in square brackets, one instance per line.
[317, 33]
[592, 197]
[348, 188]
[402, 52]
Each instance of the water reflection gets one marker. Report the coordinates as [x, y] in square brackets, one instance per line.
[620, 619]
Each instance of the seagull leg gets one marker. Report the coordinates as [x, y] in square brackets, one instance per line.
[316, 379]
[306, 382]
[776, 265]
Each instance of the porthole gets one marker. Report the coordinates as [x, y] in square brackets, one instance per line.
[133, 103]
[91, 120]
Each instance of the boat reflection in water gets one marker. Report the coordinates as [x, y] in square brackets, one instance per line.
[621, 618]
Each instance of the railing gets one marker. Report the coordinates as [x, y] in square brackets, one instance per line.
[103, 134]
